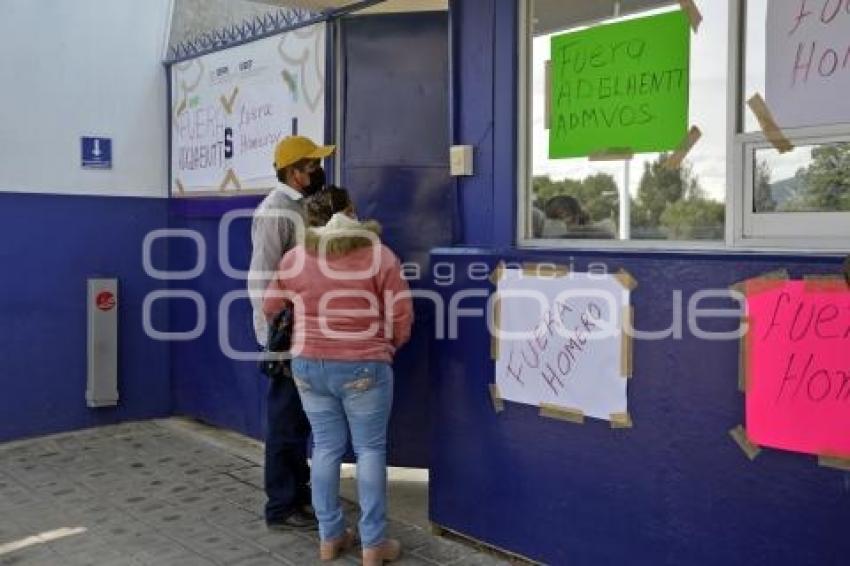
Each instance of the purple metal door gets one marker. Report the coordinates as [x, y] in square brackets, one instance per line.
[395, 146]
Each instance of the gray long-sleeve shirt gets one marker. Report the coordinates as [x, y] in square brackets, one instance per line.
[273, 233]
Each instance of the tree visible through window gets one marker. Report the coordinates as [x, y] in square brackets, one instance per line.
[820, 183]
[671, 204]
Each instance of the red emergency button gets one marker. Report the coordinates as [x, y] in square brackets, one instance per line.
[105, 301]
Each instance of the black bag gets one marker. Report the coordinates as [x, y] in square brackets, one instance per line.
[280, 340]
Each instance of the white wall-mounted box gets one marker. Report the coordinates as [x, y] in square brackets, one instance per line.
[461, 159]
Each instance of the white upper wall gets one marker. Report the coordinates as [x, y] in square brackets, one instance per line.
[73, 68]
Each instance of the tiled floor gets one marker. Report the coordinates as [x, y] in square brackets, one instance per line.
[152, 493]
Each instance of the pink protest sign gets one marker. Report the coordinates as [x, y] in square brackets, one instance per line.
[798, 365]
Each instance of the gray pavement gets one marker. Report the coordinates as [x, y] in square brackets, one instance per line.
[170, 493]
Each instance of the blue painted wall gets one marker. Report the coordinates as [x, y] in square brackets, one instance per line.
[50, 246]
[397, 172]
[484, 115]
[675, 489]
[207, 384]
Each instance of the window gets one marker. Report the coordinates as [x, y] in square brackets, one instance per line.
[811, 178]
[800, 198]
[637, 199]
[734, 188]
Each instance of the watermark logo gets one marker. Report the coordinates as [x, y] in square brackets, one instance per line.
[356, 308]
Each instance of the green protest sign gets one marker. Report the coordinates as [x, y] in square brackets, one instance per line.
[620, 86]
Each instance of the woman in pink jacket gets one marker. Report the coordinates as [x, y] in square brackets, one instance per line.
[352, 312]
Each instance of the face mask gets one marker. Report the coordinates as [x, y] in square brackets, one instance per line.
[317, 182]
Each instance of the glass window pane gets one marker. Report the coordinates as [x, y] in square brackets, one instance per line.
[813, 178]
[814, 63]
[577, 201]
[754, 58]
[683, 204]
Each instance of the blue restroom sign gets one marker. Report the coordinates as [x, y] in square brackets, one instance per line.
[96, 153]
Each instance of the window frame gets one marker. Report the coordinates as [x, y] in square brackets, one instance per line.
[739, 145]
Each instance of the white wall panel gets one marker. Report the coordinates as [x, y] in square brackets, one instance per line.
[75, 68]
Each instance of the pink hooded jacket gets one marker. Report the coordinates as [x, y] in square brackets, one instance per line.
[349, 298]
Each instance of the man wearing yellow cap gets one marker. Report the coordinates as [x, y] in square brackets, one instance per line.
[297, 161]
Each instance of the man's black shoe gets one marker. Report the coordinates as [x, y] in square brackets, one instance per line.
[300, 520]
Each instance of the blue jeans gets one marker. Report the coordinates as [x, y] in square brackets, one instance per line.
[337, 397]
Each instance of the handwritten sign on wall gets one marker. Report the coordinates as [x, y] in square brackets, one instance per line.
[231, 107]
[798, 367]
[560, 341]
[620, 86]
[808, 61]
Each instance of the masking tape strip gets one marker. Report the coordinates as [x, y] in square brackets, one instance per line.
[743, 354]
[550, 411]
[179, 186]
[497, 326]
[228, 103]
[768, 125]
[496, 276]
[674, 161]
[230, 179]
[692, 12]
[181, 107]
[621, 420]
[545, 270]
[626, 342]
[760, 283]
[740, 436]
[547, 92]
[626, 280]
[225, 104]
[496, 398]
[781, 274]
[612, 154]
[834, 462]
[740, 286]
[825, 284]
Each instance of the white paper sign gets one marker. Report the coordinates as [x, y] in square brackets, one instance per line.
[808, 61]
[231, 108]
[561, 341]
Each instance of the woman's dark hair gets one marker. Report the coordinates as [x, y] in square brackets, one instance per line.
[566, 207]
[324, 204]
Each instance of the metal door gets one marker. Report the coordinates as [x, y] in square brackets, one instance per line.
[394, 159]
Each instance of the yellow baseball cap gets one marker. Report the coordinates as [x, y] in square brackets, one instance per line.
[292, 149]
